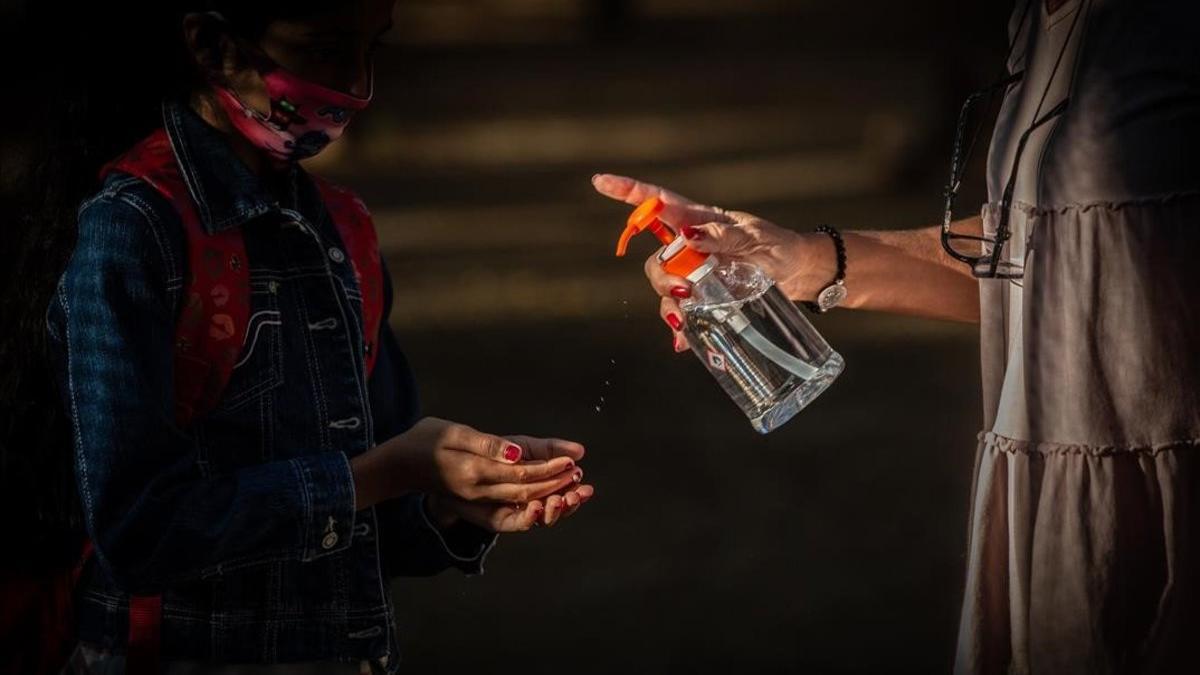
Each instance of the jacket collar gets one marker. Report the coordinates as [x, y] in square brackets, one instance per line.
[226, 192]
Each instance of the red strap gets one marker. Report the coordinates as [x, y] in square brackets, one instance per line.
[357, 230]
[145, 624]
[36, 625]
[84, 557]
[211, 329]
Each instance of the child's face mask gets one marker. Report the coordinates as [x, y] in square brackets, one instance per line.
[305, 117]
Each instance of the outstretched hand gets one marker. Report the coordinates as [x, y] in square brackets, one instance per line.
[781, 253]
[680, 211]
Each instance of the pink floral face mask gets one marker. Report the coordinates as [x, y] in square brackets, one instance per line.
[305, 117]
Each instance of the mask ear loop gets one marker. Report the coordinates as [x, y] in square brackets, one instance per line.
[261, 63]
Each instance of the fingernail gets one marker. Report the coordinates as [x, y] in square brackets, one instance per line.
[578, 475]
[595, 177]
[693, 233]
[512, 453]
[681, 292]
[674, 321]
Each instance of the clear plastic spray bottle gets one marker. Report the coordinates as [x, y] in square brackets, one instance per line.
[752, 338]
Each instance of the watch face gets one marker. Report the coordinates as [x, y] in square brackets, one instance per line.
[831, 297]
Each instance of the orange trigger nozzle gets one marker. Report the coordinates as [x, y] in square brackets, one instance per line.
[623, 242]
[645, 217]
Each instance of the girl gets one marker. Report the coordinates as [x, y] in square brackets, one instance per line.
[247, 450]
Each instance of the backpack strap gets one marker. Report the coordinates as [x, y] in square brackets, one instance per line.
[211, 326]
[143, 646]
[357, 229]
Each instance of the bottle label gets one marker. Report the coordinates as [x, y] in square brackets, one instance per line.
[716, 360]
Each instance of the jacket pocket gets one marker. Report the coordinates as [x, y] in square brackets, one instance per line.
[259, 367]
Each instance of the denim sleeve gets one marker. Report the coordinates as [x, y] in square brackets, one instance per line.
[412, 546]
[153, 517]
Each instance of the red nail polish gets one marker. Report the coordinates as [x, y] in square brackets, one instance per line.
[674, 321]
[681, 292]
[693, 233]
[512, 453]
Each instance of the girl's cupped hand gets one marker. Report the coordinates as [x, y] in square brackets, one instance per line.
[520, 517]
[502, 484]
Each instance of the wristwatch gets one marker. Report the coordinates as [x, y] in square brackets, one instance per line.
[835, 293]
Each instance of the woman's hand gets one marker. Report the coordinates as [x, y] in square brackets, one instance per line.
[790, 258]
[520, 517]
[453, 460]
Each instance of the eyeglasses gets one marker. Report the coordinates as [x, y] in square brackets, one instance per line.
[985, 254]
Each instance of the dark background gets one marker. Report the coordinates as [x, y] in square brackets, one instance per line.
[834, 545]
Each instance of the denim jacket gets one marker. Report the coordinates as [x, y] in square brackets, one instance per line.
[245, 522]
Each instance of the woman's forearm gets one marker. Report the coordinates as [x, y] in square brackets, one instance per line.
[905, 272]
[902, 271]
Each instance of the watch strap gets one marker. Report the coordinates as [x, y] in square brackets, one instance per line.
[837, 287]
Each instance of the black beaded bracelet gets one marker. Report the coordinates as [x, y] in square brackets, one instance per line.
[833, 294]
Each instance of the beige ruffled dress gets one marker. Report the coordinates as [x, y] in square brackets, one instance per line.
[1084, 552]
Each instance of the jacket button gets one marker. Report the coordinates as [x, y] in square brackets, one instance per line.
[330, 540]
[336, 255]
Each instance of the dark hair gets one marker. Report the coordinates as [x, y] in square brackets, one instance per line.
[86, 83]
